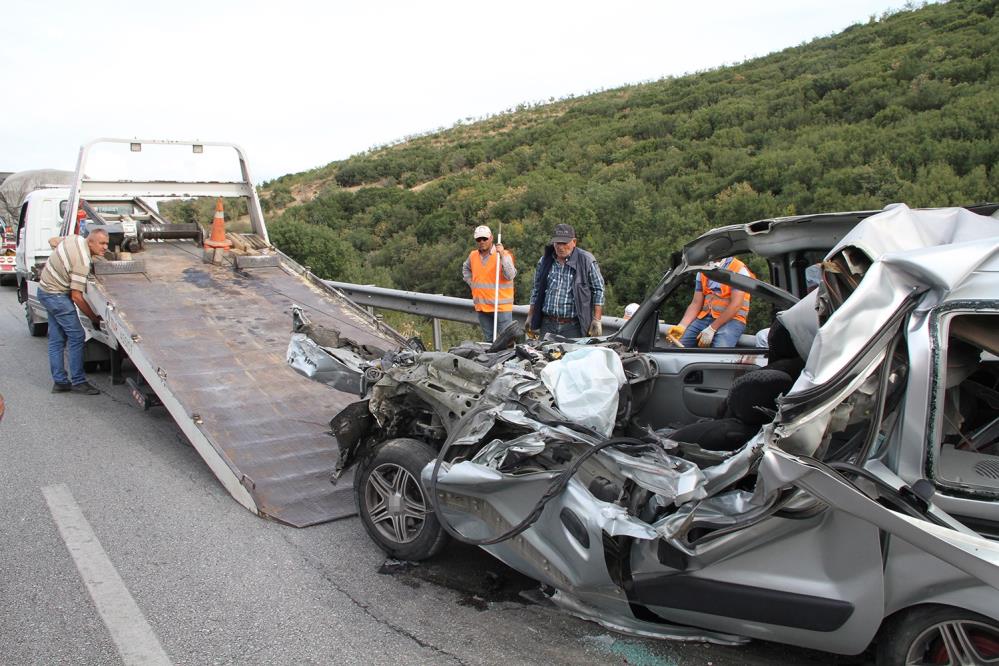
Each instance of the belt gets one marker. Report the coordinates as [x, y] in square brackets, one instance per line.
[560, 320]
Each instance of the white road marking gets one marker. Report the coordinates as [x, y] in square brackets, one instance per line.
[134, 638]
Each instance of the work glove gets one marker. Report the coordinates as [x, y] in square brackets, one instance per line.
[596, 329]
[676, 331]
[706, 337]
[530, 333]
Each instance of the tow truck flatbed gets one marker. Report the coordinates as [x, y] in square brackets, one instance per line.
[208, 333]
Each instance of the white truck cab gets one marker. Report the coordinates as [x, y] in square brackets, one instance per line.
[40, 217]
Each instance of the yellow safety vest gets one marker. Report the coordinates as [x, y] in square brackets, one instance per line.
[715, 302]
[484, 284]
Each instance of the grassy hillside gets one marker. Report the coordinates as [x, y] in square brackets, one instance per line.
[905, 108]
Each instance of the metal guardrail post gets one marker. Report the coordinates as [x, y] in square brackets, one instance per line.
[438, 344]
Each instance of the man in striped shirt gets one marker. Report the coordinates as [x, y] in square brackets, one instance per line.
[60, 291]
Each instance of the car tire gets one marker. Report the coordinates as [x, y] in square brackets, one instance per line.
[392, 502]
[36, 328]
[938, 635]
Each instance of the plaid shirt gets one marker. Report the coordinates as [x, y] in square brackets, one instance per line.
[558, 296]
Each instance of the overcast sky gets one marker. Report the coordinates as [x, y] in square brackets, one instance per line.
[301, 84]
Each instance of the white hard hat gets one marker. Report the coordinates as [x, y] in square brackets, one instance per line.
[630, 310]
[482, 231]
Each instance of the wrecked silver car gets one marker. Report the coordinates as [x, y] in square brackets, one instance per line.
[838, 486]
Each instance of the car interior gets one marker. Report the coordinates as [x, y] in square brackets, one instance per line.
[705, 378]
[968, 430]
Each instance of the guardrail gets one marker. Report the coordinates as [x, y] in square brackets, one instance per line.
[435, 306]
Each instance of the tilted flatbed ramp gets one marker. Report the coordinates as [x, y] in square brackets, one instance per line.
[210, 337]
[211, 341]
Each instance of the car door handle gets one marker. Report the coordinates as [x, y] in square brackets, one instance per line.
[701, 389]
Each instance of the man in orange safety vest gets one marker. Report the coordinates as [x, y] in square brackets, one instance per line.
[716, 316]
[479, 271]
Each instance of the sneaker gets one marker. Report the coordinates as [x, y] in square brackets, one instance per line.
[59, 387]
[86, 388]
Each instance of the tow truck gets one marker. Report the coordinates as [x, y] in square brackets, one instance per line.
[202, 328]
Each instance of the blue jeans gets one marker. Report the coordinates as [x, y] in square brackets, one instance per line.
[569, 330]
[65, 332]
[726, 336]
[486, 323]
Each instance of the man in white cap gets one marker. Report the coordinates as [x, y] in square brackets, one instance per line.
[479, 272]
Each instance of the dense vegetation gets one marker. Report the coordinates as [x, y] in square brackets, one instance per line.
[905, 108]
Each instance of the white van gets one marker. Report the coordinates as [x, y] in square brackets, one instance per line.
[41, 215]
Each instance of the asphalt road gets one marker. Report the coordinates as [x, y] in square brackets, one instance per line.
[114, 532]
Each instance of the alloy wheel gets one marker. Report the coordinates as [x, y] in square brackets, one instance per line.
[395, 503]
[955, 643]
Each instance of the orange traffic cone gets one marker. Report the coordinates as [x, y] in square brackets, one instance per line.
[218, 241]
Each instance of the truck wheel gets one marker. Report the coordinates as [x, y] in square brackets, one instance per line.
[36, 328]
[938, 635]
[393, 504]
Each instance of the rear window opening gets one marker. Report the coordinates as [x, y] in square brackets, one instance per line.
[968, 433]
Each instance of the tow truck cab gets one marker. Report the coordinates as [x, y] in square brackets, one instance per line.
[40, 217]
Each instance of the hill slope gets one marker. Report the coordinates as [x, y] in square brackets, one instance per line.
[901, 109]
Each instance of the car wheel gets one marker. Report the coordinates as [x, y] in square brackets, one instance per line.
[393, 504]
[37, 329]
[939, 635]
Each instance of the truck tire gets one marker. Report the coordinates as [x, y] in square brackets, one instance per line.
[394, 506]
[37, 329]
[938, 635]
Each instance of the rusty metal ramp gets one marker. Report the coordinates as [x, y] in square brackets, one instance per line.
[211, 341]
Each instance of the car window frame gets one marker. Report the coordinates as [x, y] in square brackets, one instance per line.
[638, 334]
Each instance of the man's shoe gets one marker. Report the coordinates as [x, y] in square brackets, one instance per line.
[86, 388]
[59, 387]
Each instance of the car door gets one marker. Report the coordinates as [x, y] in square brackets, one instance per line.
[816, 582]
[691, 383]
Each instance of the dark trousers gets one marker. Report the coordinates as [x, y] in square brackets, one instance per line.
[565, 329]
[486, 323]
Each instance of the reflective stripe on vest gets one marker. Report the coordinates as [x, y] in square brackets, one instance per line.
[484, 285]
[715, 302]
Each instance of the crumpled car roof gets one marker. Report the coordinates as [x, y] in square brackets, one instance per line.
[934, 251]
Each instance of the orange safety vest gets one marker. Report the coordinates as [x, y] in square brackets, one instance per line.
[484, 284]
[715, 301]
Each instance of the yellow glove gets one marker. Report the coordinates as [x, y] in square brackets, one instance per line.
[530, 333]
[676, 331]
